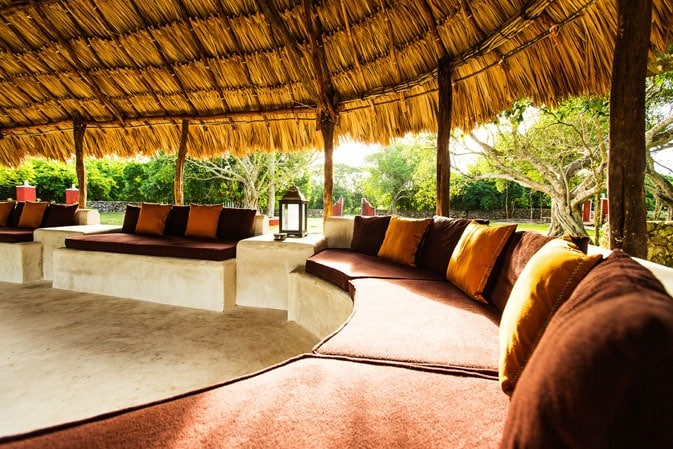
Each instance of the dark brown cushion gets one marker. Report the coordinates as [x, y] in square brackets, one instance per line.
[176, 224]
[131, 219]
[601, 374]
[60, 215]
[148, 245]
[339, 266]
[236, 223]
[440, 240]
[421, 322]
[514, 257]
[15, 235]
[368, 233]
[6, 208]
[13, 220]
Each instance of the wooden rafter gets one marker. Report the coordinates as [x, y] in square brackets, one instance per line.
[432, 28]
[162, 54]
[391, 49]
[354, 46]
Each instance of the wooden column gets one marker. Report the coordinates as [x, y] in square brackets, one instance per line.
[626, 164]
[178, 184]
[327, 130]
[79, 128]
[444, 136]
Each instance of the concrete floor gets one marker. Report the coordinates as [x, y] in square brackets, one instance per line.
[66, 356]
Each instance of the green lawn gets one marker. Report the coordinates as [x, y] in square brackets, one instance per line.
[314, 224]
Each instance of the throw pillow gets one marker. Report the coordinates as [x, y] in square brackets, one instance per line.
[236, 223]
[440, 240]
[203, 221]
[474, 257]
[402, 238]
[152, 218]
[368, 233]
[601, 374]
[547, 280]
[130, 218]
[176, 223]
[32, 213]
[15, 214]
[60, 215]
[6, 208]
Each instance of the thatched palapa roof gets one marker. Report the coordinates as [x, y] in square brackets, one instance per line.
[260, 74]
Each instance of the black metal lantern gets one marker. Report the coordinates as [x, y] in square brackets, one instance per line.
[293, 213]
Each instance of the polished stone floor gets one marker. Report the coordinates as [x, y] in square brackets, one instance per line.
[66, 356]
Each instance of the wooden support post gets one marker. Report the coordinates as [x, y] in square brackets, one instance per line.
[79, 128]
[444, 136]
[178, 184]
[327, 130]
[626, 164]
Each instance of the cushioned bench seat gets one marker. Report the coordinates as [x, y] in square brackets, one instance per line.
[426, 322]
[339, 266]
[15, 235]
[308, 402]
[163, 246]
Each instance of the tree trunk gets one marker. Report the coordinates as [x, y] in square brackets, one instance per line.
[178, 184]
[626, 167]
[444, 137]
[566, 219]
[79, 129]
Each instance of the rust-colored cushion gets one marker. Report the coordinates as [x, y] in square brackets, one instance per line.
[60, 215]
[203, 221]
[236, 223]
[368, 233]
[474, 257]
[402, 239]
[601, 374]
[547, 280]
[176, 223]
[32, 213]
[152, 218]
[6, 208]
[439, 242]
[130, 218]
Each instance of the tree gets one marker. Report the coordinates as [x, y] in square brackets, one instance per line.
[254, 175]
[562, 154]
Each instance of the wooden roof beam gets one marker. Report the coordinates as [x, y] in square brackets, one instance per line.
[432, 28]
[392, 50]
[277, 25]
[356, 52]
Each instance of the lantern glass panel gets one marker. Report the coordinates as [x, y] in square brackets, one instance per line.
[291, 217]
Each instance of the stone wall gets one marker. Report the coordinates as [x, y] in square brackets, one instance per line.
[659, 241]
[108, 206]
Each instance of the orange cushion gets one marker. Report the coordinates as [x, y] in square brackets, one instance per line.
[5, 209]
[203, 220]
[152, 218]
[545, 282]
[32, 213]
[402, 239]
[474, 256]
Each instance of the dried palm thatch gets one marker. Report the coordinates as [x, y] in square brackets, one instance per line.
[260, 74]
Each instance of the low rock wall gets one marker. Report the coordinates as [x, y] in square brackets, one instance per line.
[108, 206]
[659, 241]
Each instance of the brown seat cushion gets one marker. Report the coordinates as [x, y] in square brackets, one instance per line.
[60, 215]
[339, 266]
[309, 403]
[428, 322]
[601, 374]
[166, 246]
[15, 235]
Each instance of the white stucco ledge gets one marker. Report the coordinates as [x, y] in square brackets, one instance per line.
[87, 217]
[52, 238]
[263, 266]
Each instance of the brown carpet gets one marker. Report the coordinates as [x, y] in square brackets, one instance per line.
[67, 356]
